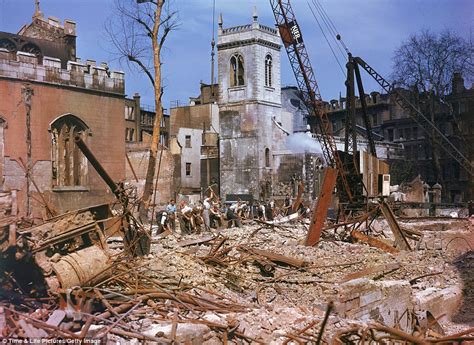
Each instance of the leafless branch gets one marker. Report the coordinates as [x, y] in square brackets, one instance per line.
[132, 30]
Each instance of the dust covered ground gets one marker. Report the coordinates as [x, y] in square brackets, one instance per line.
[280, 303]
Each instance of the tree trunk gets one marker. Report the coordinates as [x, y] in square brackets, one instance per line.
[438, 176]
[159, 113]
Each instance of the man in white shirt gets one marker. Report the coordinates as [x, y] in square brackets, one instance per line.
[205, 213]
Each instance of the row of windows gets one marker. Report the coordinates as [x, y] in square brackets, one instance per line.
[12, 47]
[403, 133]
[237, 70]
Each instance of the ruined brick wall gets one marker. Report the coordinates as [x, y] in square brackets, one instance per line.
[91, 94]
[394, 302]
[138, 154]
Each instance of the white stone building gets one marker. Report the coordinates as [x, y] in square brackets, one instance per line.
[249, 107]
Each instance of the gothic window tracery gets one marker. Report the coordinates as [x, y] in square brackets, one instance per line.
[237, 70]
[8, 45]
[68, 163]
[268, 71]
[32, 49]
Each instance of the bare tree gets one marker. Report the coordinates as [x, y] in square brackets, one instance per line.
[425, 63]
[428, 61]
[138, 31]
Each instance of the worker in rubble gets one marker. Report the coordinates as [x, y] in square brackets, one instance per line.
[287, 205]
[268, 212]
[222, 210]
[245, 210]
[198, 219]
[303, 210]
[207, 206]
[171, 210]
[186, 218]
[272, 206]
[232, 217]
[239, 208]
[162, 218]
[258, 211]
[262, 212]
[215, 217]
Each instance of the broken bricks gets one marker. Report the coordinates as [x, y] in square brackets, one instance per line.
[216, 292]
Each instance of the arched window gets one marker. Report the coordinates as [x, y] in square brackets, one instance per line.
[268, 70]
[32, 49]
[237, 70]
[267, 157]
[8, 45]
[68, 162]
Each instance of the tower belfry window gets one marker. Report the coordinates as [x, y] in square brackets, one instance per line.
[237, 70]
[268, 70]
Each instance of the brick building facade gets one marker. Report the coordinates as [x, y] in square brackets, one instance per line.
[46, 101]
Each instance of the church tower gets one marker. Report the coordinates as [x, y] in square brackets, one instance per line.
[249, 107]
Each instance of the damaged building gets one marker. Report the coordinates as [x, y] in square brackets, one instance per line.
[408, 148]
[52, 97]
[93, 270]
[264, 146]
[263, 152]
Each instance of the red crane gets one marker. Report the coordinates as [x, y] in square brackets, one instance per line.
[299, 60]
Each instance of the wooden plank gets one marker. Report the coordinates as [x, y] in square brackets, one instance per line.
[277, 258]
[371, 241]
[284, 219]
[274, 257]
[379, 269]
[321, 209]
[400, 240]
[297, 202]
[196, 241]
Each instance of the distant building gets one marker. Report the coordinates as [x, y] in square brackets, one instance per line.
[392, 125]
[193, 138]
[139, 121]
[259, 146]
[44, 37]
[48, 97]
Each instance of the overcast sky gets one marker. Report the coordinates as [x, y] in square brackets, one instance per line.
[372, 29]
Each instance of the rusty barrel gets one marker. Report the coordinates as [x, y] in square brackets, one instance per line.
[82, 268]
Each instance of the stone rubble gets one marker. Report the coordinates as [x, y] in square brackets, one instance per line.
[293, 298]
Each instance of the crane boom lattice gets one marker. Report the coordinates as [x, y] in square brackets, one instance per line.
[417, 115]
[300, 63]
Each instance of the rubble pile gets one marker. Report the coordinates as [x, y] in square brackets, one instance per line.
[258, 283]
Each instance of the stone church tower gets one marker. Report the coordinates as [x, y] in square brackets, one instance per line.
[250, 107]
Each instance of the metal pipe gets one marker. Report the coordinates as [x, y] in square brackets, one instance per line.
[323, 325]
[97, 166]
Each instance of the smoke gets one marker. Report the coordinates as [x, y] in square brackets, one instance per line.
[301, 143]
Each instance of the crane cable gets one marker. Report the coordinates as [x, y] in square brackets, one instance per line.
[329, 44]
[332, 28]
[329, 26]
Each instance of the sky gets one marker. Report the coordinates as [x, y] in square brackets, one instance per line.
[372, 29]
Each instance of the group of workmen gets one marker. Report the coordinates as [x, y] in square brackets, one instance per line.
[212, 213]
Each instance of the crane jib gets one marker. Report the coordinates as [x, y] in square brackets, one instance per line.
[290, 33]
